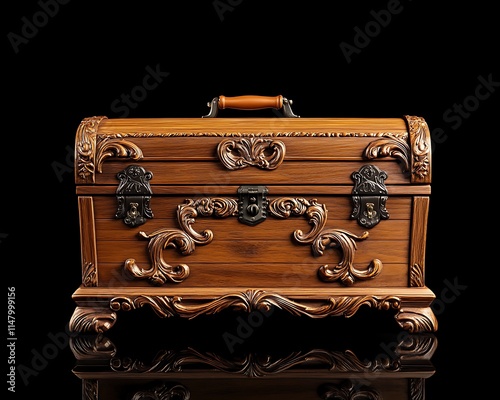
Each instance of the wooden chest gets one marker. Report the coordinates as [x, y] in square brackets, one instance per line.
[192, 216]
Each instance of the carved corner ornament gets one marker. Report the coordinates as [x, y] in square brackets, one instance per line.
[414, 157]
[91, 150]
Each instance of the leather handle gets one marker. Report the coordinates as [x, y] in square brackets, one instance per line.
[250, 102]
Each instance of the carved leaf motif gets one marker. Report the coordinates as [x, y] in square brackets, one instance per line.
[419, 134]
[316, 213]
[206, 206]
[390, 147]
[256, 151]
[116, 148]
[85, 148]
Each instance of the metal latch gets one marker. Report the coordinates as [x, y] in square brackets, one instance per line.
[369, 196]
[252, 204]
[134, 195]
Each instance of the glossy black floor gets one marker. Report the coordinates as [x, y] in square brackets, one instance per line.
[64, 61]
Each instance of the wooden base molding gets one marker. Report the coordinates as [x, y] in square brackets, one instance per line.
[97, 308]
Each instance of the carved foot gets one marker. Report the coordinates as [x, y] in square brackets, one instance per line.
[417, 320]
[91, 319]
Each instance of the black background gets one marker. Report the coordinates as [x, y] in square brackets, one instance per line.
[430, 58]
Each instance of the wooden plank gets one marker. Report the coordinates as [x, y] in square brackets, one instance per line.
[392, 251]
[254, 275]
[275, 190]
[271, 229]
[296, 148]
[231, 126]
[288, 173]
[88, 244]
[418, 239]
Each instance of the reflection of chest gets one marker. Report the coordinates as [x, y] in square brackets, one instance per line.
[191, 216]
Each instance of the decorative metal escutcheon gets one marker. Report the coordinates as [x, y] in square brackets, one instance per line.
[252, 204]
[134, 195]
[369, 196]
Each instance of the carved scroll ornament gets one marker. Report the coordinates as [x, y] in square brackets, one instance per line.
[414, 157]
[256, 151]
[185, 239]
[91, 150]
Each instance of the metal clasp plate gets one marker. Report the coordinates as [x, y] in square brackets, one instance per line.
[134, 195]
[252, 204]
[369, 196]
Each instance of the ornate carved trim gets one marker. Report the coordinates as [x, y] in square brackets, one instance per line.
[86, 148]
[185, 240]
[415, 156]
[255, 151]
[92, 149]
[91, 319]
[250, 300]
[402, 135]
[420, 141]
